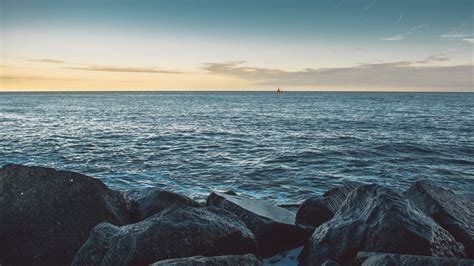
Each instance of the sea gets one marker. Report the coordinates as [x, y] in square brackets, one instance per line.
[280, 147]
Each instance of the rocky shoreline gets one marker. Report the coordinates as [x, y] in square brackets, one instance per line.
[50, 217]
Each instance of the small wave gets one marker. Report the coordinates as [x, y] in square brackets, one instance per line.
[405, 148]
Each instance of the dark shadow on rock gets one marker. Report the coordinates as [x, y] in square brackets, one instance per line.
[319, 209]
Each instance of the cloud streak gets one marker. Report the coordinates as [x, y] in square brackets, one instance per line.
[154, 70]
[35, 78]
[46, 60]
[401, 74]
[458, 36]
[370, 4]
[400, 18]
[434, 59]
[402, 36]
[103, 68]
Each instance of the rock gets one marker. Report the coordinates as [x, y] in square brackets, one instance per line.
[319, 209]
[389, 259]
[274, 227]
[334, 198]
[177, 231]
[153, 200]
[375, 218]
[228, 260]
[313, 212]
[452, 212]
[46, 215]
[292, 207]
[330, 263]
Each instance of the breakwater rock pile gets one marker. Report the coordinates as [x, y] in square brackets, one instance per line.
[50, 217]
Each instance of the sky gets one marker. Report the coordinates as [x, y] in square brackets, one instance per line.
[346, 45]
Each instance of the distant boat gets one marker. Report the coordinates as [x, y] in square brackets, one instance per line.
[279, 91]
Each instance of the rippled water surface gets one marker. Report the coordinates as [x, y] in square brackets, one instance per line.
[280, 147]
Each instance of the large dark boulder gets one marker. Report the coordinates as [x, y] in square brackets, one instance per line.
[274, 227]
[391, 259]
[452, 212]
[376, 218]
[177, 231]
[46, 215]
[227, 260]
[319, 209]
[148, 201]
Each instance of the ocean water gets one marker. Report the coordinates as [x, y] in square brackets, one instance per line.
[283, 147]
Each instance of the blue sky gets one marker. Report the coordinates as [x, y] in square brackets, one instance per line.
[236, 44]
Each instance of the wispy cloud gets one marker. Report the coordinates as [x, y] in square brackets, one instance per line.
[402, 36]
[458, 36]
[418, 27]
[125, 69]
[469, 40]
[251, 73]
[462, 32]
[435, 59]
[393, 74]
[35, 78]
[400, 17]
[370, 4]
[398, 37]
[102, 68]
[46, 60]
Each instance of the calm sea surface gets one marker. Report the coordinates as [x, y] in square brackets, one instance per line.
[280, 147]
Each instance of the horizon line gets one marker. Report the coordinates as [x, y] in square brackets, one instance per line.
[224, 90]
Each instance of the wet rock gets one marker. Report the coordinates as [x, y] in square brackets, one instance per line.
[273, 227]
[229, 260]
[46, 215]
[375, 218]
[177, 231]
[319, 209]
[149, 201]
[452, 212]
[390, 259]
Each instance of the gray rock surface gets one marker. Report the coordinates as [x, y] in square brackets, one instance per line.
[46, 215]
[391, 259]
[150, 201]
[274, 227]
[378, 219]
[452, 212]
[292, 207]
[319, 209]
[228, 260]
[177, 231]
